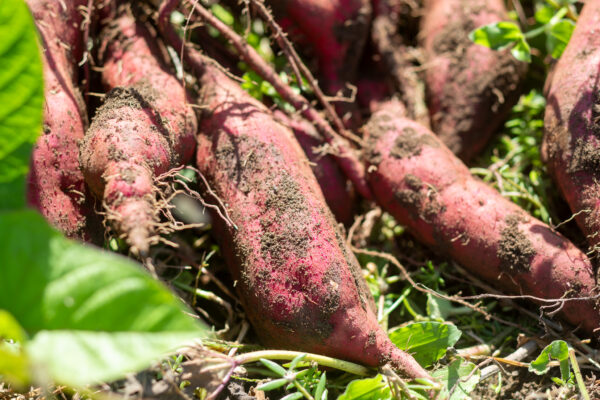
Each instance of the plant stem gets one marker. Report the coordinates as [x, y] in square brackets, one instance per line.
[578, 377]
[303, 390]
[290, 355]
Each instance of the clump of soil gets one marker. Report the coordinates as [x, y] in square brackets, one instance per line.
[420, 199]
[410, 143]
[515, 250]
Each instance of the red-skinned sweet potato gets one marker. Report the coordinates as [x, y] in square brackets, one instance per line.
[300, 285]
[428, 189]
[336, 30]
[571, 146]
[55, 184]
[470, 88]
[144, 128]
[337, 190]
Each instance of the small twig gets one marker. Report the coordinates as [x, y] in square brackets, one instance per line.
[521, 353]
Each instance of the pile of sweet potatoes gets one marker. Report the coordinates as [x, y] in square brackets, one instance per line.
[279, 185]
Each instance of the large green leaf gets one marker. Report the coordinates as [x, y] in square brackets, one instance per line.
[426, 341]
[84, 304]
[21, 97]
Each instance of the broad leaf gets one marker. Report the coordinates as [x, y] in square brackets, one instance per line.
[84, 304]
[81, 357]
[521, 51]
[559, 36]
[458, 378]
[13, 362]
[21, 97]
[367, 389]
[497, 36]
[426, 341]
[557, 350]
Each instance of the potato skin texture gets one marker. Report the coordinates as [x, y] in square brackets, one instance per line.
[470, 88]
[571, 144]
[55, 185]
[300, 286]
[144, 128]
[429, 190]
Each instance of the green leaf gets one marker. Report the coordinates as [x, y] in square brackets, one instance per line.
[13, 362]
[21, 96]
[457, 374]
[558, 37]
[14, 367]
[320, 390]
[544, 14]
[296, 360]
[367, 389]
[222, 14]
[79, 303]
[271, 385]
[521, 51]
[426, 341]
[557, 350]
[10, 328]
[498, 35]
[293, 396]
[273, 366]
[81, 357]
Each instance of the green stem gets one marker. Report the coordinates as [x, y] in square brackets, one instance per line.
[535, 32]
[302, 390]
[290, 355]
[578, 377]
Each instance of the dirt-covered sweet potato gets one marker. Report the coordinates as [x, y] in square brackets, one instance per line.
[571, 146]
[55, 183]
[428, 189]
[470, 88]
[338, 191]
[144, 128]
[300, 286]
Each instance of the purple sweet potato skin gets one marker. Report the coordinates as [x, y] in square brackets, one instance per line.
[571, 146]
[299, 284]
[470, 88]
[55, 183]
[337, 190]
[428, 189]
[144, 128]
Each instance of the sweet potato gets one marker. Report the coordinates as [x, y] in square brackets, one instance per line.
[299, 284]
[55, 183]
[336, 30]
[470, 88]
[428, 189]
[336, 188]
[571, 144]
[144, 128]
